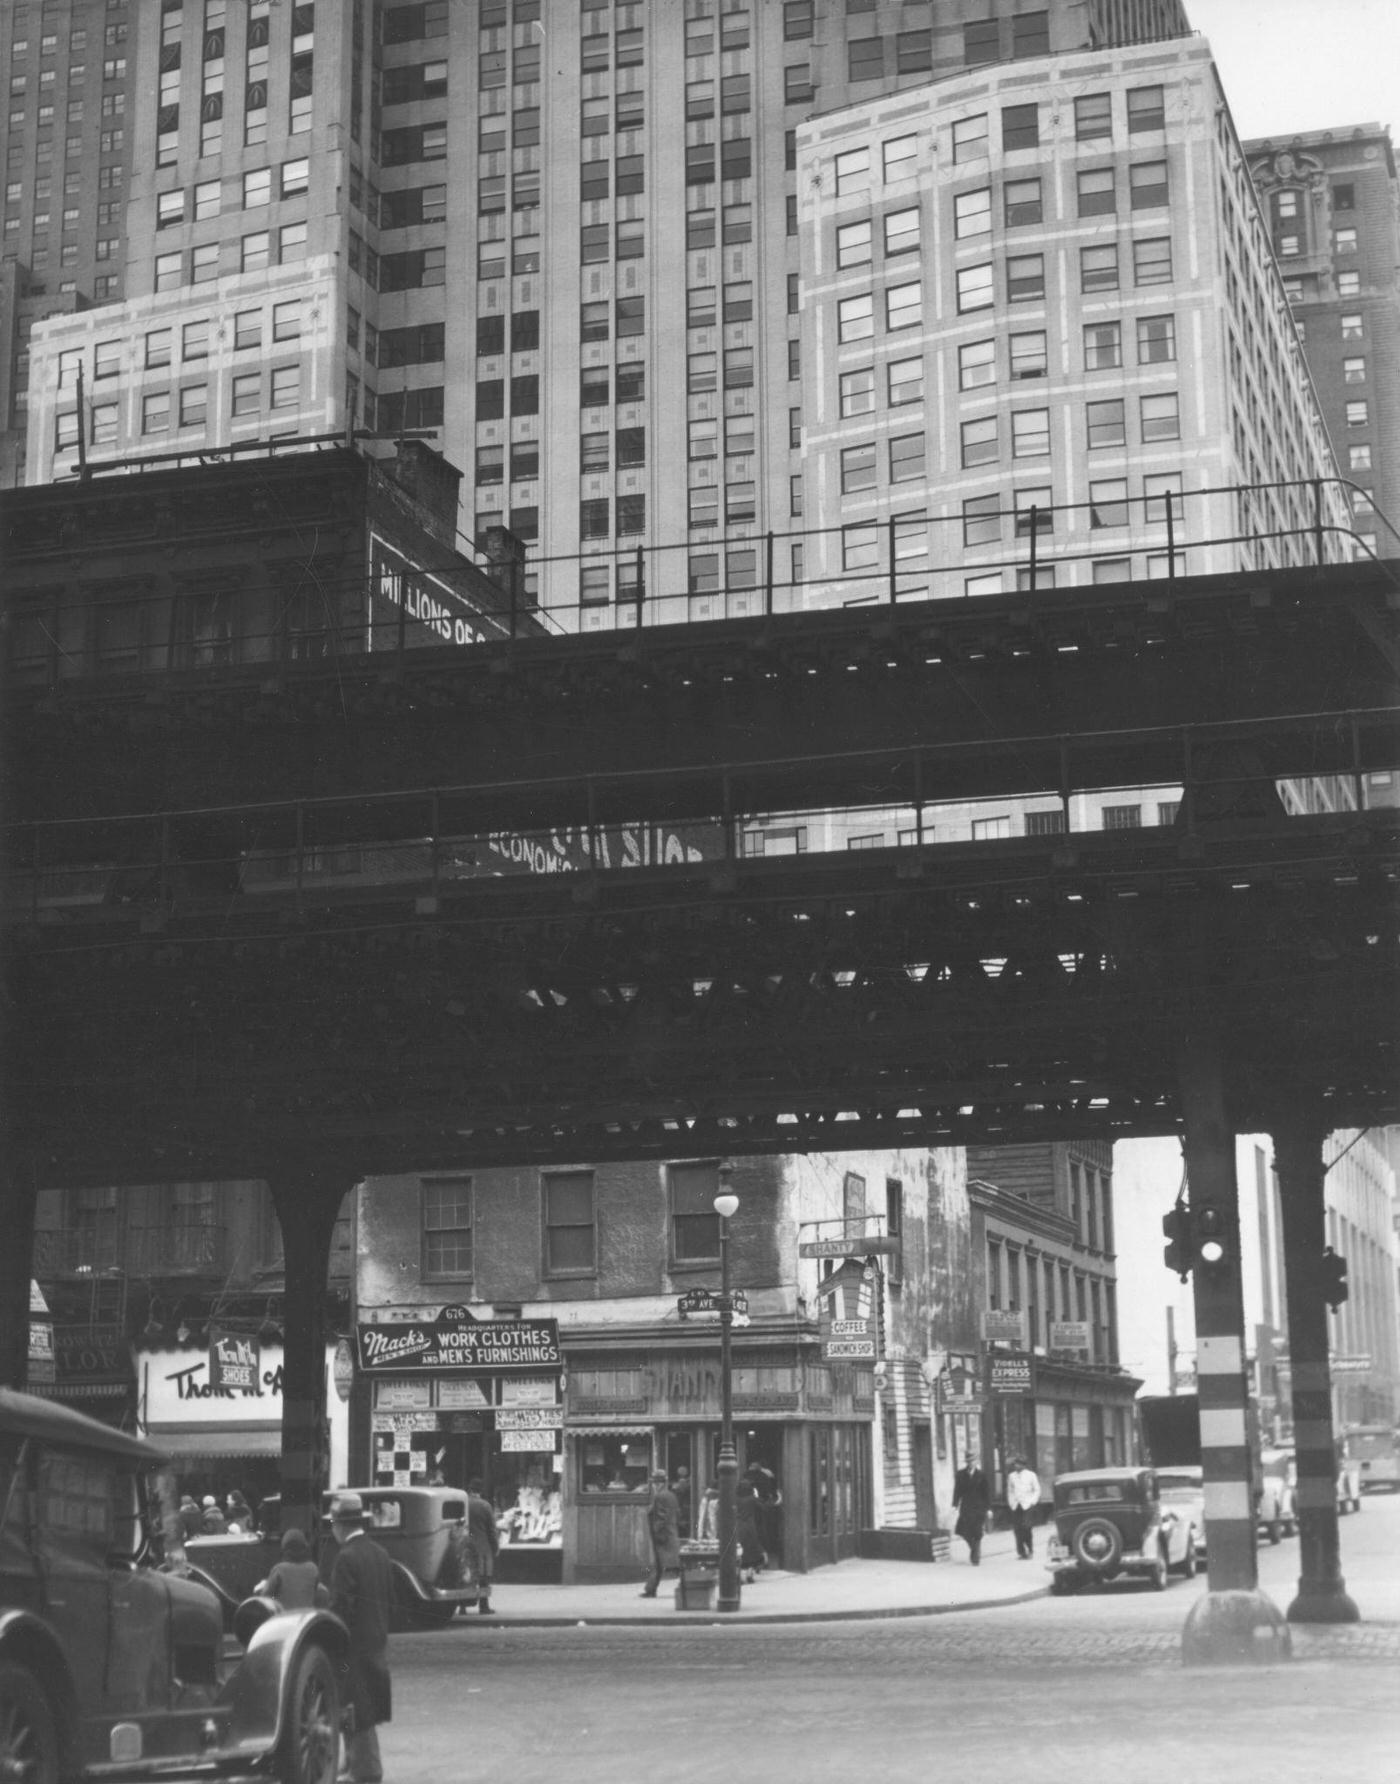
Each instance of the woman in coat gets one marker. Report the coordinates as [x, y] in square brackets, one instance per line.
[752, 1555]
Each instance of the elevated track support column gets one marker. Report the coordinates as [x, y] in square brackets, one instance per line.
[16, 1267]
[1233, 1622]
[1322, 1594]
[307, 1204]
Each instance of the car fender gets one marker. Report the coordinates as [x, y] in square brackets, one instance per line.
[408, 1585]
[26, 1640]
[256, 1694]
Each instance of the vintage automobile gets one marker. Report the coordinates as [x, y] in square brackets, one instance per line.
[1111, 1522]
[419, 1527]
[1183, 1488]
[113, 1664]
[1348, 1473]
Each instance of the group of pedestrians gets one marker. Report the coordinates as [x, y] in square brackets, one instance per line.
[972, 1499]
[206, 1517]
[756, 1499]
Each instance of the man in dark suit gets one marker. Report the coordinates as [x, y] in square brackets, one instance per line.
[973, 1498]
[485, 1539]
[362, 1596]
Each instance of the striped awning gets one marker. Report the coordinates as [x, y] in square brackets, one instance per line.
[211, 1440]
[80, 1390]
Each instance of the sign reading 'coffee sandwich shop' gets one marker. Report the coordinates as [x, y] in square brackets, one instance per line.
[456, 1340]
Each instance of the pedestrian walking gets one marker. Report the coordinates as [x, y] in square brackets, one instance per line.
[211, 1520]
[1023, 1495]
[663, 1525]
[362, 1596]
[485, 1537]
[191, 1518]
[770, 1497]
[709, 1514]
[238, 1514]
[747, 1511]
[973, 1499]
[295, 1582]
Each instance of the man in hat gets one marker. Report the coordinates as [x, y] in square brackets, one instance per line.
[362, 1596]
[663, 1525]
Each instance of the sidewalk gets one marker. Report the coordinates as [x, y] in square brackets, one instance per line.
[850, 1589]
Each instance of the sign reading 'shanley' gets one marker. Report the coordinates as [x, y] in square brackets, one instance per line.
[457, 1341]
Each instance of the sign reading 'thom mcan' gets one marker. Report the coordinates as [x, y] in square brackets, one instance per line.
[457, 1341]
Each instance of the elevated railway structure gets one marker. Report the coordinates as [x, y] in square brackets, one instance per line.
[277, 918]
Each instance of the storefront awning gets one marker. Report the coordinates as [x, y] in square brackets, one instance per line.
[80, 1390]
[210, 1440]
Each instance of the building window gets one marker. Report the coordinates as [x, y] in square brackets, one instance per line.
[1093, 117]
[246, 393]
[1097, 191]
[694, 1223]
[981, 42]
[286, 386]
[170, 210]
[1348, 284]
[1098, 268]
[570, 1230]
[1353, 328]
[1146, 109]
[1107, 424]
[447, 1227]
[1108, 503]
[855, 318]
[291, 244]
[157, 348]
[865, 58]
[1354, 371]
[1152, 261]
[1030, 433]
[858, 468]
[906, 458]
[901, 233]
[797, 19]
[979, 442]
[852, 172]
[1122, 817]
[194, 405]
[853, 244]
[1103, 346]
[857, 392]
[981, 520]
[972, 213]
[976, 364]
[903, 307]
[860, 546]
[257, 188]
[1020, 127]
[169, 268]
[1160, 418]
[1025, 278]
[194, 340]
[970, 141]
[906, 382]
[155, 412]
[899, 158]
[974, 288]
[255, 251]
[1156, 339]
[1147, 185]
[1344, 241]
[1022, 203]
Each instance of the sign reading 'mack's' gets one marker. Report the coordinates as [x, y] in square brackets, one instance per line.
[456, 1340]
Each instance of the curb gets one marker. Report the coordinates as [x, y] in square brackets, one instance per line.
[711, 1620]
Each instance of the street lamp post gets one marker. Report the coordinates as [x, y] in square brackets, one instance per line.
[727, 1471]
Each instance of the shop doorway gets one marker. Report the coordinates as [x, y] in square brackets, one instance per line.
[761, 1448]
[678, 1459]
[839, 1488]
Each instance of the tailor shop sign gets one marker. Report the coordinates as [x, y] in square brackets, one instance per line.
[456, 1340]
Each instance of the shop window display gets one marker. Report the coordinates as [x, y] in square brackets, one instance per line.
[614, 1464]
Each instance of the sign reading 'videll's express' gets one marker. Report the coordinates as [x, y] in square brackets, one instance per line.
[457, 1341]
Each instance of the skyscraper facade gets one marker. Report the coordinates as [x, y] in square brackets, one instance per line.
[622, 228]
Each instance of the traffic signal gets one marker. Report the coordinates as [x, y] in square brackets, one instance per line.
[1176, 1228]
[1212, 1236]
[1332, 1269]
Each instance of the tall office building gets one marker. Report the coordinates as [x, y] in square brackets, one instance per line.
[623, 227]
[1333, 207]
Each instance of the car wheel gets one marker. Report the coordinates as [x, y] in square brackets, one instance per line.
[1159, 1578]
[1098, 1544]
[28, 1733]
[309, 1752]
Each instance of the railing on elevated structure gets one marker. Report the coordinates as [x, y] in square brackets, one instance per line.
[987, 548]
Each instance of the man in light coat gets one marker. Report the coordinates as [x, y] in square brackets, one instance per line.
[1023, 1495]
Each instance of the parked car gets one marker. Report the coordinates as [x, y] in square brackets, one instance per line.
[114, 1665]
[1111, 1522]
[1377, 1452]
[420, 1528]
[1275, 1513]
[1183, 1489]
[1348, 1475]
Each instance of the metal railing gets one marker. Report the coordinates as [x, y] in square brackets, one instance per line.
[990, 545]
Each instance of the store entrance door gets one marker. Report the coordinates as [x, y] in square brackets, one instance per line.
[839, 1504]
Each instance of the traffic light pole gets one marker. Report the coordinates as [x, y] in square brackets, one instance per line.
[1233, 1620]
[1322, 1594]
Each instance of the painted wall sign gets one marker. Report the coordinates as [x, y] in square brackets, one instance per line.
[875, 1246]
[999, 1325]
[481, 1347]
[428, 603]
[530, 1418]
[1009, 1373]
[1069, 1334]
